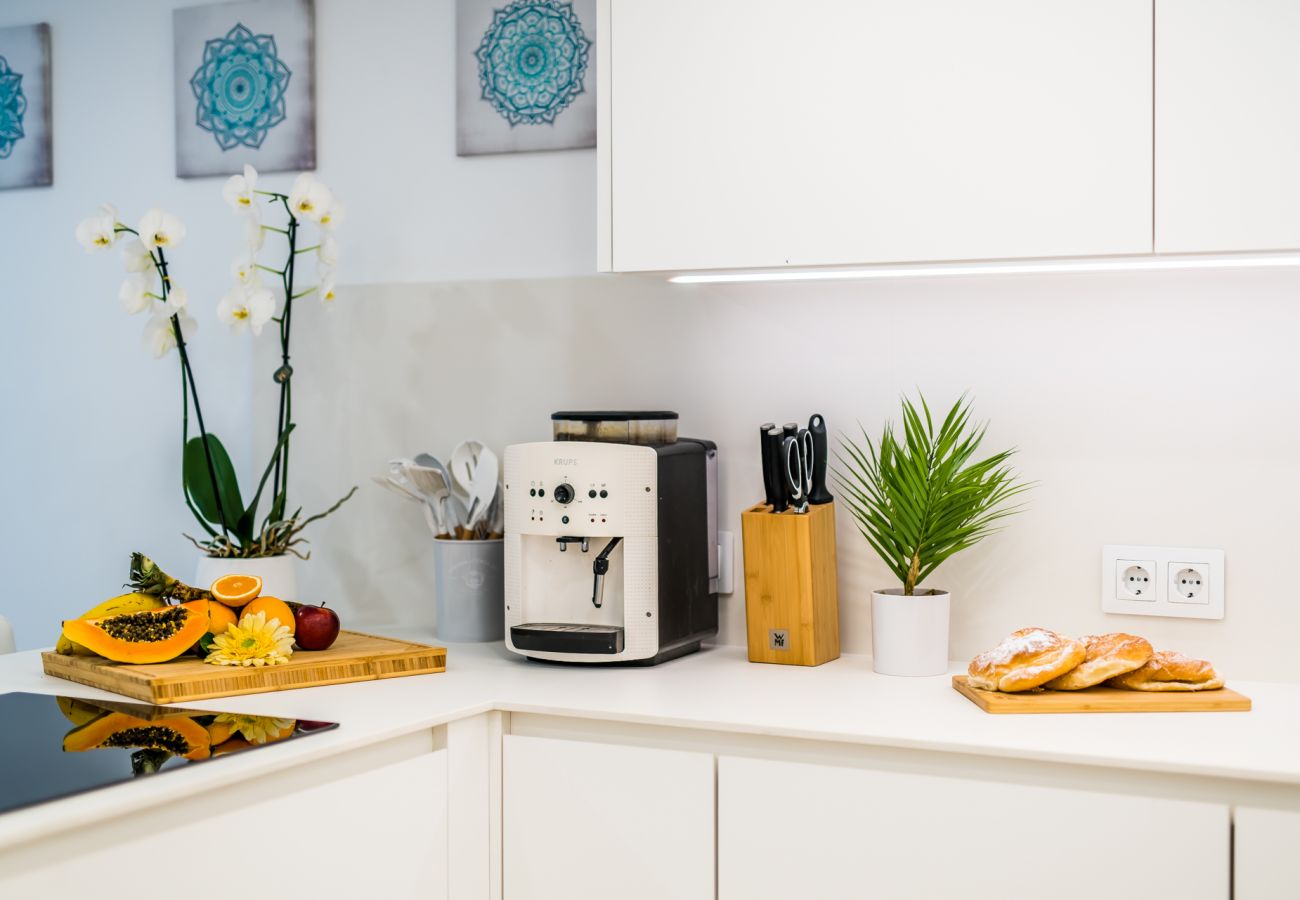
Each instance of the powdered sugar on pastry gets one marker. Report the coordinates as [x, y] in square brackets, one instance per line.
[1026, 659]
[1024, 641]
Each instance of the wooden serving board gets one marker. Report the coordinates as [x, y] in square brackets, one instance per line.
[1103, 699]
[353, 657]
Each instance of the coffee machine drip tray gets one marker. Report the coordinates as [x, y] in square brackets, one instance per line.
[561, 638]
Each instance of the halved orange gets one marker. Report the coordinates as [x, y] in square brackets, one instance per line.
[236, 590]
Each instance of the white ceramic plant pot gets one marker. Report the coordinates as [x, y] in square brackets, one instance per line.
[279, 574]
[909, 635]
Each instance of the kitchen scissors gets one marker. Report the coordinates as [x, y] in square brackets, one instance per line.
[797, 456]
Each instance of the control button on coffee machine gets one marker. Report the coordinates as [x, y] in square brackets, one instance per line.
[564, 493]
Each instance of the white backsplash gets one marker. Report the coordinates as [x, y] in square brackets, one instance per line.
[1154, 408]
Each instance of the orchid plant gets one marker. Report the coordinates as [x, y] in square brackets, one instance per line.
[211, 488]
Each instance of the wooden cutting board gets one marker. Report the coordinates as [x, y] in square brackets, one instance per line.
[1103, 699]
[353, 657]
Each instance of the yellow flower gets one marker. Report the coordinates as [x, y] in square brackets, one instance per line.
[253, 642]
[255, 729]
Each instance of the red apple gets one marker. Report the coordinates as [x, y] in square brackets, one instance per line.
[315, 627]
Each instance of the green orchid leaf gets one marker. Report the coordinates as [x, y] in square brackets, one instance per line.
[200, 478]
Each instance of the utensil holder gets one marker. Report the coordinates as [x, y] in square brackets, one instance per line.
[469, 588]
[792, 609]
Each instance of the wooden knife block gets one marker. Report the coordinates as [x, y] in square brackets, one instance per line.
[792, 609]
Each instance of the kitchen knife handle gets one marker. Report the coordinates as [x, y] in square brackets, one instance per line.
[817, 428]
[776, 468]
[771, 489]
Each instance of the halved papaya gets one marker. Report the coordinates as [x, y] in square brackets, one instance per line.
[148, 636]
[180, 735]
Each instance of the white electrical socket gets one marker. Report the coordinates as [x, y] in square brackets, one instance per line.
[1135, 579]
[1189, 582]
[1181, 582]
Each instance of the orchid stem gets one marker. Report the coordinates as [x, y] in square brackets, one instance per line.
[187, 374]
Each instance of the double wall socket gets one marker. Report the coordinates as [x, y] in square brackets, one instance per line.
[1182, 582]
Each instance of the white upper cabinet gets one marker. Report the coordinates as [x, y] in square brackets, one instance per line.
[748, 133]
[1227, 125]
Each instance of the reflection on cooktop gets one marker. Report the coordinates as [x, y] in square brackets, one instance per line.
[52, 747]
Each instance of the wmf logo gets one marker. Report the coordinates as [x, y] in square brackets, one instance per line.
[778, 639]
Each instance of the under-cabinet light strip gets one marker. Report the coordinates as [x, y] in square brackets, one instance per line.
[1241, 261]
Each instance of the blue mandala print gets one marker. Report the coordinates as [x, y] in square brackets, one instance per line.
[12, 106]
[532, 60]
[240, 88]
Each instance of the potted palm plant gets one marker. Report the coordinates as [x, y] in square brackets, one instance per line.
[918, 500]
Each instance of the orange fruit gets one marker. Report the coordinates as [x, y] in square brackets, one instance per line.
[230, 745]
[236, 590]
[220, 617]
[219, 732]
[274, 607]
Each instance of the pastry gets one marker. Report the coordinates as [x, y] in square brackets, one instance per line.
[1108, 655]
[1025, 660]
[1169, 671]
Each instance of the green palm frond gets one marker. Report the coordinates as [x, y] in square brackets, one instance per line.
[921, 499]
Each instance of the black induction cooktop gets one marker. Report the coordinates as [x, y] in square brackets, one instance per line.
[52, 747]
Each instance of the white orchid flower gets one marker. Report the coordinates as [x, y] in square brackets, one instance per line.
[98, 231]
[136, 256]
[254, 235]
[328, 251]
[250, 309]
[309, 198]
[136, 292]
[161, 229]
[160, 335]
[240, 190]
[326, 289]
[246, 272]
[177, 300]
[333, 216]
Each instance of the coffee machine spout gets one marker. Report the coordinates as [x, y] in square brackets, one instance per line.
[601, 567]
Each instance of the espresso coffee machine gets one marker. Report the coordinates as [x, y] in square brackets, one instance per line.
[611, 541]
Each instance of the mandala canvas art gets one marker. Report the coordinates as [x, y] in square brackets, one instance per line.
[245, 87]
[26, 158]
[525, 75]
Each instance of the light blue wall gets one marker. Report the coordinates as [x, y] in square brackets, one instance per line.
[90, 449]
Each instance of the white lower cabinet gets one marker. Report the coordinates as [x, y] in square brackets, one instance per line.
[801, 830]
[589, 821]
[372, 823]
[1266, 865]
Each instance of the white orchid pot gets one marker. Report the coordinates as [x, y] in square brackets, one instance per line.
[279, 574]
[909, 635]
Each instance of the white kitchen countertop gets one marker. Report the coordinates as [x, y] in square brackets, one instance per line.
[842, 701]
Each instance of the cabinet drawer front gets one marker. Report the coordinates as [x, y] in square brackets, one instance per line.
[365, 823]
[747, 134]
[1265, 863]
[796, 829]
[588, 821]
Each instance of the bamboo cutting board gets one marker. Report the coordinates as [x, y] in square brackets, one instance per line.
[353, 657]
[1103, 699]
